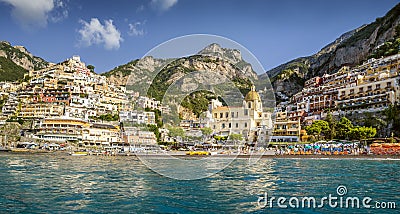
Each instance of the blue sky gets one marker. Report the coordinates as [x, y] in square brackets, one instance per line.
[110, 33]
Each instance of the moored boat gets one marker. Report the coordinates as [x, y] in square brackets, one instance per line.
[2, 149]
[79, 153]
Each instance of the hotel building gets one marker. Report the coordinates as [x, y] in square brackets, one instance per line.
[370, 87]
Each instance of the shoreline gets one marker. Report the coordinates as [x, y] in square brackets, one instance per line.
[239, 156]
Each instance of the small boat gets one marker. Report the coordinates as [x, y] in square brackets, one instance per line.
[4, 149]
[214, 153]
[79, 153]
[198, 153]
[20, 150]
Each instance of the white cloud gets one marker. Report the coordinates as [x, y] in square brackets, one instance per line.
[33, 14]
[162, 5]
[60, 11]
[94, 33]
[136, 29]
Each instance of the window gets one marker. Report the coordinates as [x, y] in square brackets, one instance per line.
[226, 114]
[223, 125]
[215, 115]
[230, 125]
[249, 105]
[259, 115]
[246, 112]
[378, 86]
[213, 126]
[221, 115]
[361, 90]
[232, 114]
[237, 114]
[237, 125]
[245, 125]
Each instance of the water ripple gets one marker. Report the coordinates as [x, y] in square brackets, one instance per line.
[47, 183]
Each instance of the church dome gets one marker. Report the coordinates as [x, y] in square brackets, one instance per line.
[252, 95]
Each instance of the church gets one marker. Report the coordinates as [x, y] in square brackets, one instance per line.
[249, 119]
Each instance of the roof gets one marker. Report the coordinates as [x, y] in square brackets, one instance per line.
[252, 95]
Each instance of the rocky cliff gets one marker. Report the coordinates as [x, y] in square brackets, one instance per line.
[153, 77]
[351, 48]
[15, 61]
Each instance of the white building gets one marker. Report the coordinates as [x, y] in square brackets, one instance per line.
[137, 117]
[145, 102]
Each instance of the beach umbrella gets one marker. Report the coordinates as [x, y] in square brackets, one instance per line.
[376, 145]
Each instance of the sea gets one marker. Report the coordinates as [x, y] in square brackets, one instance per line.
[118, 184]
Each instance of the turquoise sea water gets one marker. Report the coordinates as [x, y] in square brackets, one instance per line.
[89, 184]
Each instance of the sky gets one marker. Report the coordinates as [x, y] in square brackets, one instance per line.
[110, 33]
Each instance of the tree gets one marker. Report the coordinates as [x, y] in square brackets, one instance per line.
[343, 128]
[155, 130]
[373, 121]
[219, 138]
[235, 137]
[370, 132]
[176, 132]
[332, 125]
[393, 122]
[109, 117]
[90, 67]
[361, 132]
[206, 131]
[318, 127]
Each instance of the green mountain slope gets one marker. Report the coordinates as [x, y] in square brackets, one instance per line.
[15, 61]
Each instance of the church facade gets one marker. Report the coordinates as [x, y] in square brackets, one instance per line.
[249, 119]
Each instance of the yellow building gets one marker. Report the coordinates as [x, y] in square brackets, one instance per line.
[40, 110]
[61, 129]
[100, 135]
[285, 130]
[377, 87]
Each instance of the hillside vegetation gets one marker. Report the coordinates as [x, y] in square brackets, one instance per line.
[9, 71]
[15, 61]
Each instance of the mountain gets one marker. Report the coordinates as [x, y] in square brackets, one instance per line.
[137, 70]
[153, 77]
[232, 55]
[15, 61]
[137, 73]
[351, 48]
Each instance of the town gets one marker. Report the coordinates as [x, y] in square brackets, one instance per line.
[68, 105]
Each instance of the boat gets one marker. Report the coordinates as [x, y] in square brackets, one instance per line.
[2, 149]
[79, 153]
[24, 150]
[198, 153]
